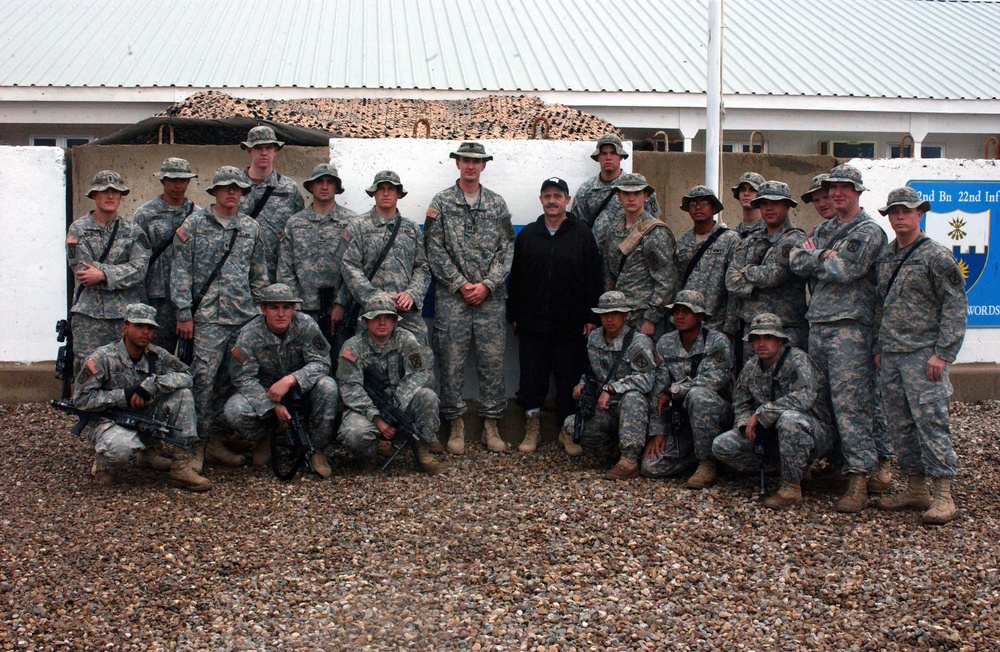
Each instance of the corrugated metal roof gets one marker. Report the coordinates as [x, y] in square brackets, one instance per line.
[864, 48]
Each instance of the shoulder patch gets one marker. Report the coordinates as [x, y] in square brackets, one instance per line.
[240, 355]
[346, 236]
[183, 234]
[93, 367]
[640, 362]
[319, 343]
[432, 213]
[719, 356]
[349, 355]
[785, 250]
[955, 277]
[416, 361]
[853, 245]
[72, 239]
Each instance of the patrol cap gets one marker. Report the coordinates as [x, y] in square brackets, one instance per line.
[140, 313]
[766, 324]
[261, 135]
[752, 179]
[905, 196]
[773, 191]
[107, 179]
[814, 185]
[845, 174]
[633, 182]
[471, 150]
[701, 192]
[175, 168]
[610, 139]
[693, 299]
[228, 175]
[380, 303]
[324, 170]
[386, 176]
[611, 301]
[555, 182]
[279, 293]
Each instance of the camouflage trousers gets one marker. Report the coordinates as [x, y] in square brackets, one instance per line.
[709, 414]
[884, 448]
[89, 334]
[166, 317]
[321, 403]
[627, 418]
[843, 351]
[213, 344]
[917, 408]
[456, 324]
[361, 437]
[114, 445]
[801, 439]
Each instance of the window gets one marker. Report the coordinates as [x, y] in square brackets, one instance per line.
[59, 141]
[842, 149]
[926, 151]
[743, 148]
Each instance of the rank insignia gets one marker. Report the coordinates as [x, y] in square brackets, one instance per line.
[349, 355]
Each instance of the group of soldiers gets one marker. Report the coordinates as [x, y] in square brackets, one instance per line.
[267, 293]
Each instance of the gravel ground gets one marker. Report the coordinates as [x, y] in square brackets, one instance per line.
[511, 552]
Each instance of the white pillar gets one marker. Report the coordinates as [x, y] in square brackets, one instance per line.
[713, 110]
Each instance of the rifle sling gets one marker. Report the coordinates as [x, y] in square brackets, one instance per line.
[103, 256]
[777, 370]
[633, 239]
[899, 267]
[166, 245]
[262, 200]
[385, 250]
[214, 275]
[604, 204]
[701, 252]
[618, 358]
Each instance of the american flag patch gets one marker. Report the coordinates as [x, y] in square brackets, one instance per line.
[239, 355]
[432, 213]
[92, 367]
[72, 238]
[346, 237]
[183, 234]
[349, 355]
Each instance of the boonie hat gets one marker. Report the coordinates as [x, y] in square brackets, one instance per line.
[279, 293]
[752, 179]
[261, 135]
[905, 196]
[555, 182]
[766, 323]
[845, 174]
[228, 175]
[386, 176]
[471, 150]
[140, 313]
[701, 192]
[693, 299]
[814, 185]
[612, 301]
[324, 170]
[609, 139]
[633, 182]
[107, 179]
[773, 191]
[380, 303]
[175, 168]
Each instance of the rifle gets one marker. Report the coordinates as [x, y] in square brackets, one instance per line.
[64, 358]
[586, 405]
[296, 438]
[148, 428]
[760, 435]
[325, 306]
[347, 327]
[680, 423]
[379, 389]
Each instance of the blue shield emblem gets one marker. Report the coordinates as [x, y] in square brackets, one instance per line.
[968, 237]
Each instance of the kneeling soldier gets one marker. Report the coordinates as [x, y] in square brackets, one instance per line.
[781, 394]
[621, 358]
[135, 375]
[693, 392]
[399, 355]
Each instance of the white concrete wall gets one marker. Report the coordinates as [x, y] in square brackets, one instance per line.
[32, 264]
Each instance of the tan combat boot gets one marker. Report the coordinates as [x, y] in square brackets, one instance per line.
[856, 497]
[942, 506]
[197, 461]
[427, 461]
[572, 448]
[147, 458]
[625, 469]
[492, 436]
[916, 496]
[532, 432]
[789, 494]
[262, 451]
[456, 440]
[104, 475]
[881, 481]
[385, 448]
[704, 475]
[435, 447]
[320, 464]
[183, 476]
[217, 454]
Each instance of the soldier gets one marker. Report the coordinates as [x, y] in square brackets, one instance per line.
[159, 218]
[555, 279]
[638, 253]
[759, 279]
[923, 320]
[596, 197]
[397, 353]
[310, 252]
[819, 197]
[218, 274]
[693, 395]
[703, 255]
[108, 256]
[781, 395]
[136, 375]
[276, 351]
[622, 360]
[744, 192]
[272, 198]
[840, 262]
[470, 243]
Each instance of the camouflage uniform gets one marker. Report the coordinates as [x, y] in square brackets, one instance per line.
[285, 201]
[261, 358]
[310, 252]
[160, 220]
[709, 275]
[199, 244]
[473, 244]
[745, 230]
[402, 359]
[592, 193]
[628, 410]
[101, 384]
[923, 315]
[799, 411]
[701, 379]
[98, 310]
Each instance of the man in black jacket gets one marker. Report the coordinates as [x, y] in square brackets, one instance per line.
[555, 280]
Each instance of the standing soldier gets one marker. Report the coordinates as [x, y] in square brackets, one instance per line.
[160, 218]
[922, 295]
[218, 274]
[744, 192]
[108, 256]
[272, 198]
[470, 243]
[819, 197]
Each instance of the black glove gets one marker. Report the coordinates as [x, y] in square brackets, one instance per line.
[136, 389]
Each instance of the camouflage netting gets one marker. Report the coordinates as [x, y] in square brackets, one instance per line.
[495, 116]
